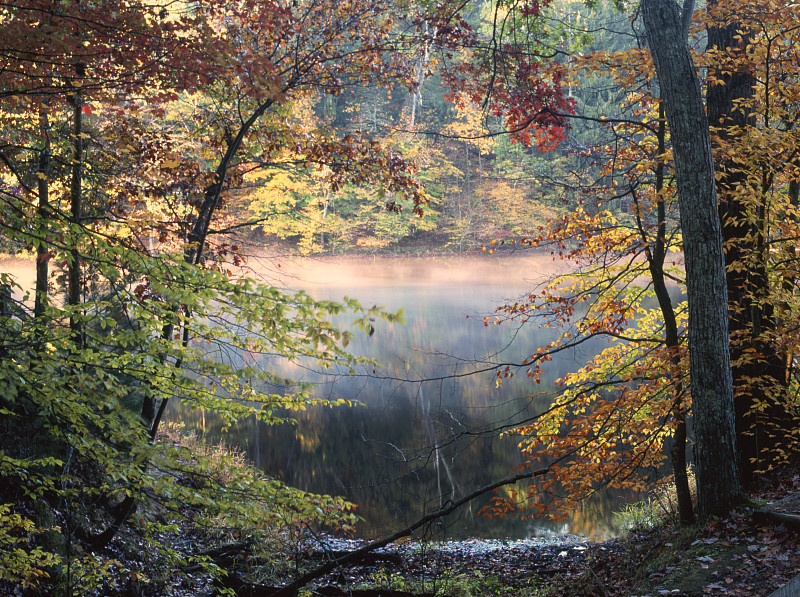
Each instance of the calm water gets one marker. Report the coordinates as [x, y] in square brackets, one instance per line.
[412, 445]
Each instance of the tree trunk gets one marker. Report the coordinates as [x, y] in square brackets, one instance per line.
[74, 266]
[656, 265]
[42, 212]
[789, 279]
[718, 487]
[196, 238]
[756, 375]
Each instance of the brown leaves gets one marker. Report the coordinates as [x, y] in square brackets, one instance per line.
[732, 556]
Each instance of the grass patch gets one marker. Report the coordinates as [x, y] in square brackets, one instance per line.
[656, 510]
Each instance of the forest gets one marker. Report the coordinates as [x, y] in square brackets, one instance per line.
[148, 147]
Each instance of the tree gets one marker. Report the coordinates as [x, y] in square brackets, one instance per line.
[718, 486]
[746, 91]
[129, 125]
[635, 152]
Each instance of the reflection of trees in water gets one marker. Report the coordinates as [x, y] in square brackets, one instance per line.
[411, 447]
[398, 461]
[432, 440]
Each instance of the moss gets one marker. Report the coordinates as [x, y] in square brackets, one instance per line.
[696, 568]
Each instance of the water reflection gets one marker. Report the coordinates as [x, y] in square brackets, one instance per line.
[412, 445]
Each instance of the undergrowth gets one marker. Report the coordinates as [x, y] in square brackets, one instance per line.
[659, 508]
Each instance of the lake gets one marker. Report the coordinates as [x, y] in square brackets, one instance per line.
[410, 446]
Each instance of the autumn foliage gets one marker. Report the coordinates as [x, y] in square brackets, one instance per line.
[138, 138]
[612, 422]
[129, 129]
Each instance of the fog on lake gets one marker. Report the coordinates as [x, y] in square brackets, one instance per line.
[409, 446]
[426, 429]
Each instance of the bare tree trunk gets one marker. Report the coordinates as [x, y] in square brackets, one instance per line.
[718, 485]
[43, 174]
[324, 217]
[74, 266]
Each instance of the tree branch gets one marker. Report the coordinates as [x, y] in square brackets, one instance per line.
[290, 590]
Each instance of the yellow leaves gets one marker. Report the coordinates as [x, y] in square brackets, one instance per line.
[170, 164]
[609, 414]
[617, 409]
[623, 66]
[469, 126]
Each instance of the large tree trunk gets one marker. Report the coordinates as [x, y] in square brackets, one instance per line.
[656, 264]
[718, 487]
[758, 370]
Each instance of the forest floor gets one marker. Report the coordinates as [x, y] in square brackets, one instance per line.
[744, 554]
[749, 553]
[752, 552]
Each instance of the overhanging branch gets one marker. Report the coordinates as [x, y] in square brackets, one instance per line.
[291, 589]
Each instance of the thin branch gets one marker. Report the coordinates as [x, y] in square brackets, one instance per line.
[290, 590]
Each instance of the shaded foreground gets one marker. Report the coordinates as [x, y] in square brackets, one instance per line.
[748, 553]
[752, 552]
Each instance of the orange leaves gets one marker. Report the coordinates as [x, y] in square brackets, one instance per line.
[612, 416]
[499, 507]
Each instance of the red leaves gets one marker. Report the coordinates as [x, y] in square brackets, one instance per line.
[45, 256]
[107, 49]
[512, 80]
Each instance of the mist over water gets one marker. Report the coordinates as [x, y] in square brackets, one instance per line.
[426, 430]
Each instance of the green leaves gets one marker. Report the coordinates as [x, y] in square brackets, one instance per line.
[126, 194]
[74, 410]
[18, 561]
